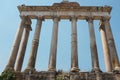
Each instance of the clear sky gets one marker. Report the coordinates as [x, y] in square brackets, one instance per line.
[9, 22]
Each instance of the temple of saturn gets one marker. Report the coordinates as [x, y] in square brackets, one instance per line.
[73, 12]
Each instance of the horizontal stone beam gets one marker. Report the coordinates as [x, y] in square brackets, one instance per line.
[66, 7]
[64, 14]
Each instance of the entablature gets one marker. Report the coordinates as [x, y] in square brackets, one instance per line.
[65, 11]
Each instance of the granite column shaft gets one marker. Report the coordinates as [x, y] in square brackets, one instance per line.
[74, 49]
[93, 47]
[22, 49]
[16, 43]
[35, 43]
[53, 49]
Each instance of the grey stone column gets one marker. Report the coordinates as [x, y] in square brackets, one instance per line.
[107, 58]
[16, 43]
[111, 44]
[34, 48]
[74, 49]
[53, 49]
[93, 47]
[22, 48]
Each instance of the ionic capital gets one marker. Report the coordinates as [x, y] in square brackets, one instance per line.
[40, 18]
[101, 28]
[101, 24]
[28, 21]
[106, 18]
[28, 27]
[89, 19]
[56, 18]
[23, 16]
[73, 18]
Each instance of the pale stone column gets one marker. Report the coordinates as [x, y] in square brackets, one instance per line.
[22, 49]
[74, 49]
[93, 47]
[107, 58]
[53, 49]
[111, 44]
[16, 43]
[34, 48]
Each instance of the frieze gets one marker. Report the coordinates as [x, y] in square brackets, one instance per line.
[66, 7]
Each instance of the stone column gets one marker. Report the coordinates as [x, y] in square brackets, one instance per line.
[22, 48]
[53, 49]
[16, 43]
[107, 58]
[34, 48]
[93, 47]
[74, 50]
[111, 44]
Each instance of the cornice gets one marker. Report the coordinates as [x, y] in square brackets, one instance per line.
[66, 7]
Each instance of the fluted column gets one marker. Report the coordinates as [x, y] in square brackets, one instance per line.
[16, 43]
[107, 58]
[93, 47]
[74, 49]
[22, 49]
[53, 49]
[111, 44]
[34, 48]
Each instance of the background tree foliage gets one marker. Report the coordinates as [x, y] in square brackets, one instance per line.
[7, 75]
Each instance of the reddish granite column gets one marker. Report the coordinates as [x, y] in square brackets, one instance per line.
[74, 49]
[16, 43]
[22, 48]
[34, 48]
[53, 49]
[93, 47]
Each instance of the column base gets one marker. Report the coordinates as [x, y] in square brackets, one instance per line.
[74, 76]
[98, 76]
[51, 75]
[42, 75]
[30, 70]
[117, 70]
[9, 68]
[75, 69]
[96, 70]
[98, 73]
[52, 69]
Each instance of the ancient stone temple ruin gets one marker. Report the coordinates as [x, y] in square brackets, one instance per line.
[73, 12]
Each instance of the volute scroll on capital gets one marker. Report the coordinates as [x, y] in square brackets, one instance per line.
[24, 19]
[23, 16]
[106, 18]
[101, 24]
[28, 21]
[101, 28]
[28, 27]
[73, 18]
[90, 19]
[56, 18]
[40, 18]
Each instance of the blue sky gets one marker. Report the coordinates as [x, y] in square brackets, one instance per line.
[9, 22]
